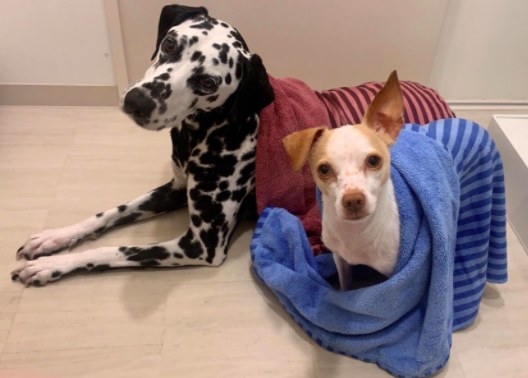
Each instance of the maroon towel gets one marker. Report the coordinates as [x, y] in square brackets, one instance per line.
[297, 107]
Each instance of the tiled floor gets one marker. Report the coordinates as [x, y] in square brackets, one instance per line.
[59, 165]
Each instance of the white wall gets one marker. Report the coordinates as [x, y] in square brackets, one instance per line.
[60, 42]
[325, 43]
[483, 51]
[480, 52]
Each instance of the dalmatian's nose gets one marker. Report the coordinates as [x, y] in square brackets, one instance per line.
[138, 104]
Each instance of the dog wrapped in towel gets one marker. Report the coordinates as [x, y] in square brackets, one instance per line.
[297, 106]
[449, 186]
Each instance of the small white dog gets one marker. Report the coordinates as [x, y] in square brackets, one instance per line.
[351, 167]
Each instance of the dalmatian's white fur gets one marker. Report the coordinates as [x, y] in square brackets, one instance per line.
[207, 87]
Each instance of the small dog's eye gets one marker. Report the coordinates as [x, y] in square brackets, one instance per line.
[168, 46]
[373, 161]
[324, 170]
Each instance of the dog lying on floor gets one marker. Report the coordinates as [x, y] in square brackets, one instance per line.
[206, 86]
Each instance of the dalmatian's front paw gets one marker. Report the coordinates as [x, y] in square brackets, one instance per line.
[41, 271]
[48, 242]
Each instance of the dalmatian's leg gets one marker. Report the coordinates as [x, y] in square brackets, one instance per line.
[165, 198]
[213, 216]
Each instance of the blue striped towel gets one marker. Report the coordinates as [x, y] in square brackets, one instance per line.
[450, 190]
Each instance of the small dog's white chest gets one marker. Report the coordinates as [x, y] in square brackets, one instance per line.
[374, 243]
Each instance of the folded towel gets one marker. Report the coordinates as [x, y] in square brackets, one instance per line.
[296, 107]
[449, 187]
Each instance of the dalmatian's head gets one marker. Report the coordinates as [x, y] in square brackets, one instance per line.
[200, 64]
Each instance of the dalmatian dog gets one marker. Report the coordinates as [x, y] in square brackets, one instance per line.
[208, 89]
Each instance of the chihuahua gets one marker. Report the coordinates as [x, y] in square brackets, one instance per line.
[351, 168]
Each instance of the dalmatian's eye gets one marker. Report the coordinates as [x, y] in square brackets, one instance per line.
[373, 161]
[168, 46]
[208, 84]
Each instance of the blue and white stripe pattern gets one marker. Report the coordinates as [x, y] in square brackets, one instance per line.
[480, 253]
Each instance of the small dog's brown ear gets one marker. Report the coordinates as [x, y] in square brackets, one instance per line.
[386, 110]
[299, 144]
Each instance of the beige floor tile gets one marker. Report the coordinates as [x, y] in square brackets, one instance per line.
[9, 300]
[334, 365]
[214, 328]
[86, 314]
[117, 362]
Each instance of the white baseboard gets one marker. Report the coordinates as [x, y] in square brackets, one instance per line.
[481, 111]
[58, 95]
[494, 105]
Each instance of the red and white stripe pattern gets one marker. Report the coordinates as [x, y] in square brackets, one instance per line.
[347, 105]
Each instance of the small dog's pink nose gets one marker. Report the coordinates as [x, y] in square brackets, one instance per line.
[353, 201]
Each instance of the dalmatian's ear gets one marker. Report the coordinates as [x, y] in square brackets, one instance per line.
[172, 15]
[254, 92]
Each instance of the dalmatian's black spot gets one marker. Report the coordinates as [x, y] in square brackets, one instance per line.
[164, 77]
[210, 239]
[56, 274]
[162, 199]
[238, 69]
[89, 265]
[237, 45]
[231, 63]
[193, 40]
[80, 269]
[207, 24]
[223, 196]
[36, 283]
[238, 195]
[196, 152]
[99, 230]
[98, 215]
[224, 24]
[205, 33]
[147, 263]
[223, 185]
[250, 155]
[212, 98]
[196, 55]
[178, 256]
[158, 90]
[196, 220]
[126, 219]
[228, 78]
[100, 268]
[121, 208]
[191, 247]
[193, 104]
[205, 187]
[222, 55]
[246, 173]
[145, 254]
[169, 69]
[215, 61]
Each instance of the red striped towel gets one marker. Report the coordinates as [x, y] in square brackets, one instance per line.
[297, 107]
[347, 105]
